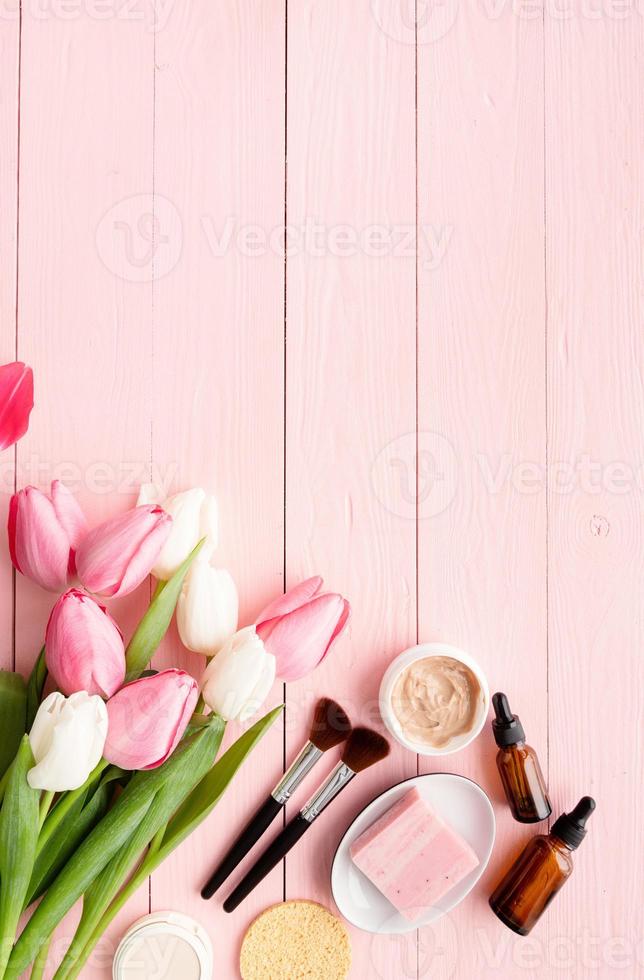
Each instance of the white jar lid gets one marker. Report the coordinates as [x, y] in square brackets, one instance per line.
[164, 945]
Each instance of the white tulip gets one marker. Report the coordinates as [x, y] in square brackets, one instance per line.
[67, 740]
[236, 682]
[207, 608]
[194, 516]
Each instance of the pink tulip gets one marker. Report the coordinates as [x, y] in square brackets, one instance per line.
[147, 719]
[16, 401]
[84, 646]
[116, 556]
[44, 532]
[299, 627]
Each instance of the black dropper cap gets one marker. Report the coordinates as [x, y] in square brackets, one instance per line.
[571, 827]
[507, 728]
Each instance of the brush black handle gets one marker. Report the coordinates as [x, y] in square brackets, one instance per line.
[271, 856]
[248, 837]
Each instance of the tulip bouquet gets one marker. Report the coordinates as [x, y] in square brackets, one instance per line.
[107, 774]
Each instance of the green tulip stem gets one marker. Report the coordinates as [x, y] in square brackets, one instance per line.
[45, 804]
[3, 784]
[201, 706]
[195, 808]
[64, 805]
[134, 883]
[40, 963]
[158, 589]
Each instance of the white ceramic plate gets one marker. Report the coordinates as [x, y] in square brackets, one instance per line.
[461, 803]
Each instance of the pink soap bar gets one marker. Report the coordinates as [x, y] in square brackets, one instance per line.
[412, 856]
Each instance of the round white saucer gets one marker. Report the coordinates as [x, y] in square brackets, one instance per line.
[461, 803]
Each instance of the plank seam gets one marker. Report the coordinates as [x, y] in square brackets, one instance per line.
[17, 308]
[284, 368]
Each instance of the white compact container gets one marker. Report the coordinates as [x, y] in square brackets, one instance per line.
[164, 945]
[422, 652]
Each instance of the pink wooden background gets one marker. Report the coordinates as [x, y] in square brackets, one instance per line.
[434, 399]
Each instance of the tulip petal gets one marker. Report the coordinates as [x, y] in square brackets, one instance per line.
[207, 609]
[300, 640]
[16, 401]
[39, 543]
[67, 741]
[342, 624]
[70, 517]
[84, 646]
[115, 557]
[184, 509]
[148, 494]
[293, 599]
[261, 690]
[141, 565]
[148, 717]
[234, 674]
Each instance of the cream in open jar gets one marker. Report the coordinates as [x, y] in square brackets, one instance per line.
[436, 700]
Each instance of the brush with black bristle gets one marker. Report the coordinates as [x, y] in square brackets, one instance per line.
[363, 749]
[330, 726]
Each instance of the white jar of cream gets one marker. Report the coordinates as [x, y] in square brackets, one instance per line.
[164, 945]
[434, 699]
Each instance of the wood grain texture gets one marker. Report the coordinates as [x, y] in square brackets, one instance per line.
[84, 321]
[350, 391]
[481, 442]
[9, 124]
[434, 399]
[218, 356]
[595, 216]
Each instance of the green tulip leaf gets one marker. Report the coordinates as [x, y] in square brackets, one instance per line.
[19, 823]
[197, 806]
[207, 794]
[35, 687]
[79, 821]
[13, 715]
[116, 828]
[155, 622]
[111, 879]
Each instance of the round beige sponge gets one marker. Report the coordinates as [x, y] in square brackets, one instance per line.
[296, 941]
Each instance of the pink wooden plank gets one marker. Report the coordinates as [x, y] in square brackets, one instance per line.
[84, 290]
[9, 58]
[350, 389]
[218, 355]
[481, 490]
[595, 215]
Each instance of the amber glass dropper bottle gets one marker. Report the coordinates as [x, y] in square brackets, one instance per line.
[518, 766]
[542, 868]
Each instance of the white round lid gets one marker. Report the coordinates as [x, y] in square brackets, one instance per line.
[165, 945]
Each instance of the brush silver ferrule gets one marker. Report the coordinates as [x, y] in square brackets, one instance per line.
[338, 779]
[296, 773]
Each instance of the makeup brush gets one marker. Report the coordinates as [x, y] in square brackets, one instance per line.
[330, 727]
[363, 749]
